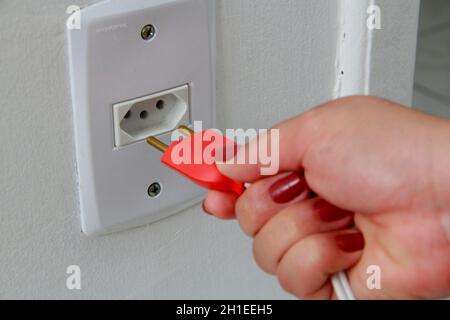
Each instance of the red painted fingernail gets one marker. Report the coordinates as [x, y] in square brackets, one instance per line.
[350, 242]
[204, 208]
[328, 212]
[288, 188]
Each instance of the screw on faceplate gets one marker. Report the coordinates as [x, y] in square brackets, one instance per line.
[148, 32]
[154, 190]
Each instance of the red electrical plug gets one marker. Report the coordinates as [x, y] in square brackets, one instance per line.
[194, 166]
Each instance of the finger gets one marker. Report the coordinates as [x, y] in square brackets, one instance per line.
[220, 204]
[305, 269]
[290, 138]
[293, 224]
[264, 199]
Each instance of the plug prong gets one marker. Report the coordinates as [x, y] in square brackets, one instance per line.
[158, 144]
[186, 130]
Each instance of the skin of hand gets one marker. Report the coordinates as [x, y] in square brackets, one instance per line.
[380, 173]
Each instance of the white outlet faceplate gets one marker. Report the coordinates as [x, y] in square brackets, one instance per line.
[113, 70]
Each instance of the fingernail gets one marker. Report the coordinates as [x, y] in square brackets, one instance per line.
[288, 188]
[328, 212]
[350, 242]
[204, 208]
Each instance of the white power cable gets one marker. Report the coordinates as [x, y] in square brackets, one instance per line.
[341, 286]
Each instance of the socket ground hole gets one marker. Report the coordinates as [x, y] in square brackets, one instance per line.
[160, 104]
[143, 115]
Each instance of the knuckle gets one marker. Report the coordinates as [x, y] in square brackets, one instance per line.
[304, 260]
[284, 282]
[317, 255]
[312, 116]
[262, 258]
[288, 272]
[297, 290]
[244, 215]
[248, 211]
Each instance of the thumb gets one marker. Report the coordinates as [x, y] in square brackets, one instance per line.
[280, 149]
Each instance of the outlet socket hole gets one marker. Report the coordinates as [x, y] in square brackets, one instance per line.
[160, 104]
[143, 115]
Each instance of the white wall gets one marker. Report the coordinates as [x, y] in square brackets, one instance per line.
[276, 58]
[432, 81]
[378, 62]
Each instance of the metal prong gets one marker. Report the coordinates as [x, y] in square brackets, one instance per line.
[158, 144]
[186, 130]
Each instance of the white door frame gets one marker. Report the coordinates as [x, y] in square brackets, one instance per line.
[377, 62]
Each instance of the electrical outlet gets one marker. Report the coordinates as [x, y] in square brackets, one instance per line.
[137, 68]
[150, 116]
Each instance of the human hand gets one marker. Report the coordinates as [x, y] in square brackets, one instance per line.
[381, 173]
